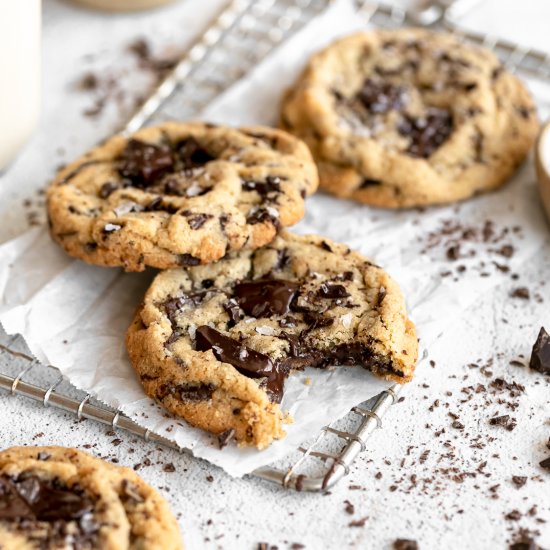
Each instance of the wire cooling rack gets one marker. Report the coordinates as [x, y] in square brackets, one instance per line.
[204, 72]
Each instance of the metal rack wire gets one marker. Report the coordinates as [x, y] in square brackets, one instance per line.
[203, 74]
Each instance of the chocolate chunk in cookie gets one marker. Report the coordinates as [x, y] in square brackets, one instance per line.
[180, 194]
[298, 302]
[53, 497]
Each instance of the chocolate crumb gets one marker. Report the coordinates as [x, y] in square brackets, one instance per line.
[521, 292]
[405, 544]
[540, 355]
[545, 464]
[514, 515]
[170, 468]
[350, 508]
[504, 421]
[519, 481]
[359, 522]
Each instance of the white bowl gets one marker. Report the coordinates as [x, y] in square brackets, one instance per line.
[542, 163]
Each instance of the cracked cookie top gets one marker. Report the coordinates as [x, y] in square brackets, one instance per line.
[180, 194]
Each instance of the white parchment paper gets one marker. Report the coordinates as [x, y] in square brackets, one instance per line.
[74, 316]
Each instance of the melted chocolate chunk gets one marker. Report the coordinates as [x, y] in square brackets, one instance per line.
[381, 97]
[332, 292]
[427, 133]
[30, 498]
[302, 354]
[247, 361]
[192, 154]
[264, 298]
[540, 356]
[272, 184]
[144, 163]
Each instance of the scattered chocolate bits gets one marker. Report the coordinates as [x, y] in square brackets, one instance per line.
[545, 464]
[349, 507]
[170, 468]
[519, 481]
[514, 515]
[504, 421]
[540, 355]
[246, 360]
[359, 522]
[521, 292]
[405, 544]
[380, 97]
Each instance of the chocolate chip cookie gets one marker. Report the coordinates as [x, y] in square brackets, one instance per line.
[54, 497]
[409, 117]
[180, 194]
[214, 344]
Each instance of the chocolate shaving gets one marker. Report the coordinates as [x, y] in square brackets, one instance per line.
[540, 354]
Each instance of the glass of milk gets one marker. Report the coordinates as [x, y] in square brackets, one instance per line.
[19, 74]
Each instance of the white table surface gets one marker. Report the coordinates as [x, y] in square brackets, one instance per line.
[216, 511]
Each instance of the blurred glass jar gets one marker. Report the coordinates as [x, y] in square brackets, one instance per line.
[122, 5]
[19, 74]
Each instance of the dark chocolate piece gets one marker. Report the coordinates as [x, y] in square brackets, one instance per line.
[272, 184]
[196, 220]
[426, 133]
[144, 163]
[264, 298]
[30, 498]
[262, 215]
[381, 97]
[188, 260]
[540, 356]
[192, 154]
[332, 292]
[201, 392]
[405, 544]
[232, 309]
[247, 361]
